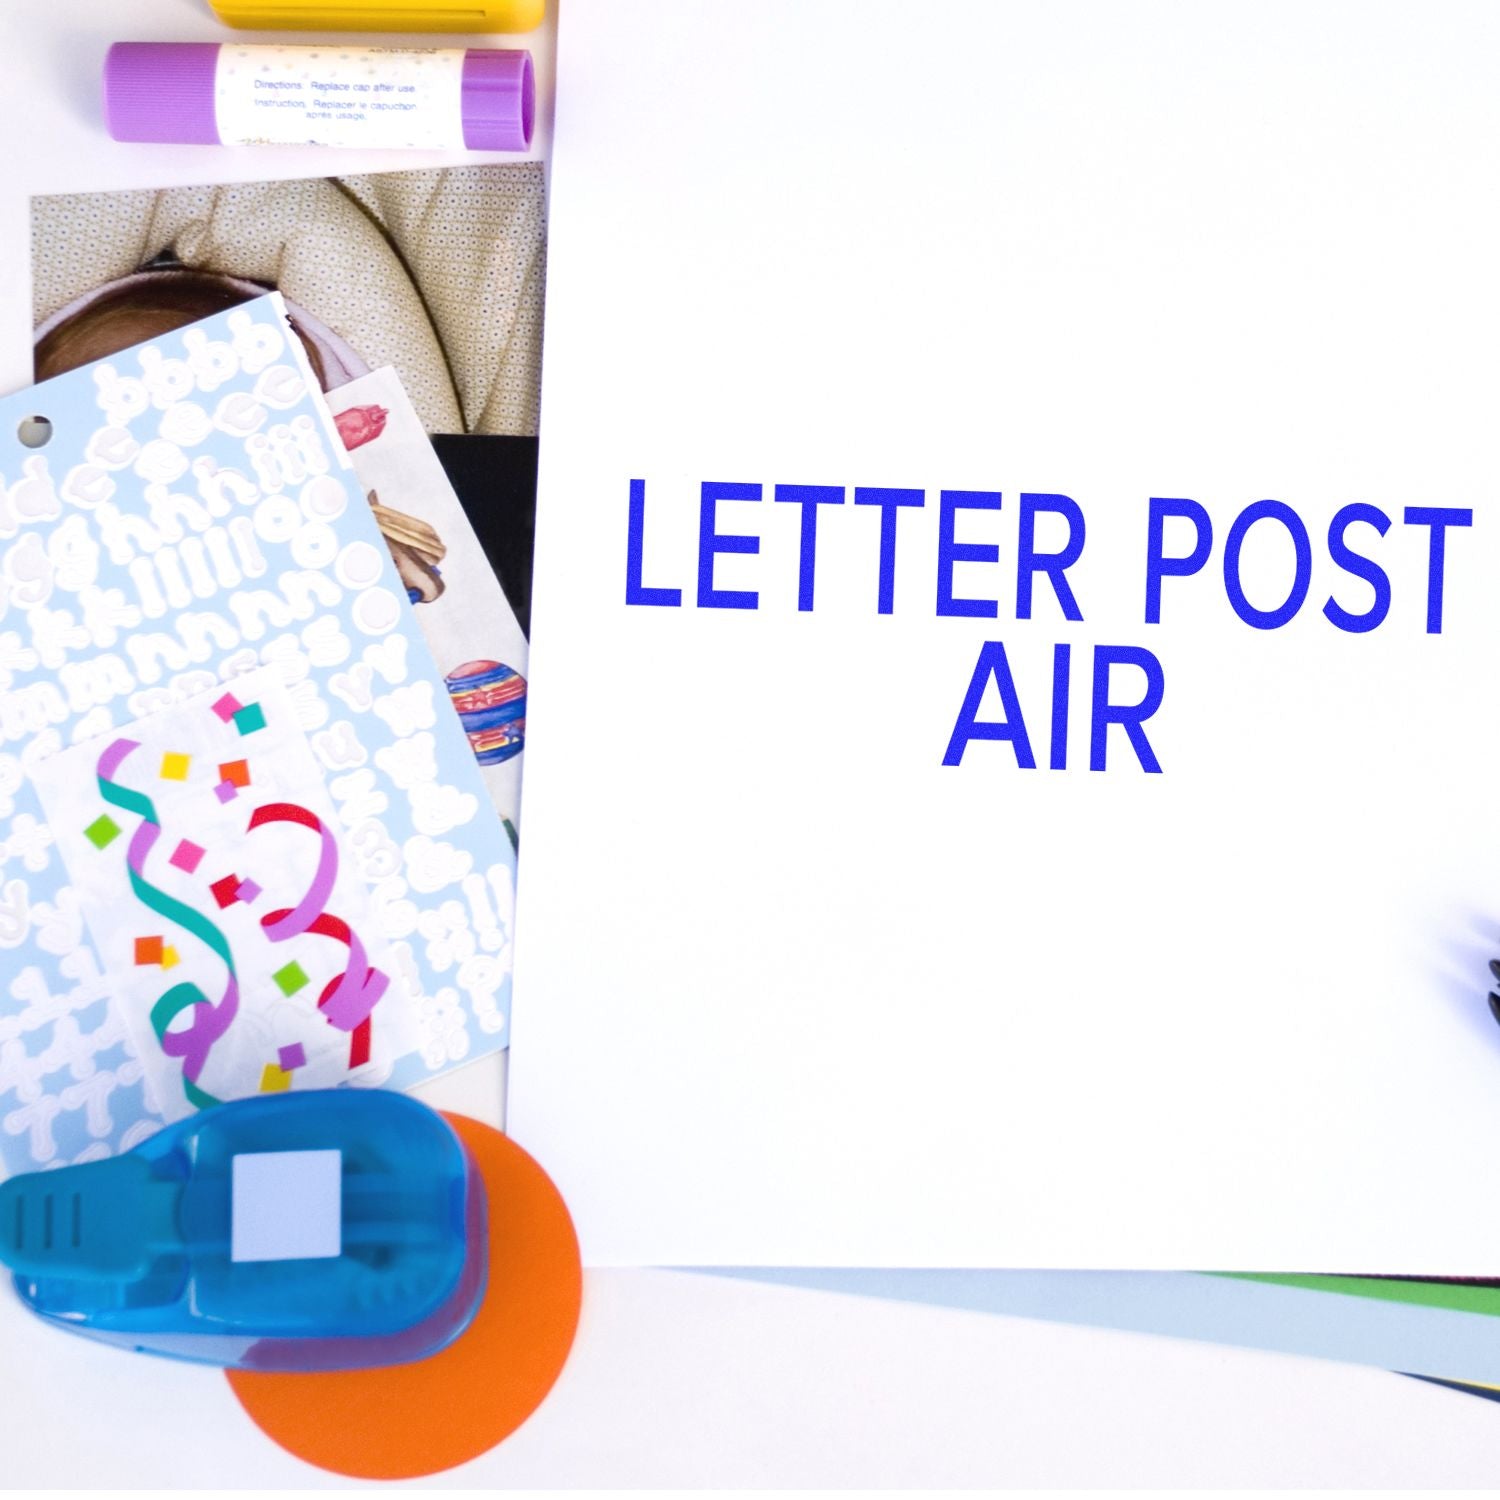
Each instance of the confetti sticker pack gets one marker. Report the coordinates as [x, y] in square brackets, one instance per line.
[246, 949]
[244, 845]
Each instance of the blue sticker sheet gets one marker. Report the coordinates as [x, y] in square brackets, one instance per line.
[244, 842]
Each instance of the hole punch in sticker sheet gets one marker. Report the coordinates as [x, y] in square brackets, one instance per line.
[244, 846]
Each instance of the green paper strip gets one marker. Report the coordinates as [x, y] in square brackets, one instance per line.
[1451, 1296]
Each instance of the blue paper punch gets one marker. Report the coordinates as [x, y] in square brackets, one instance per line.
[325, 1230]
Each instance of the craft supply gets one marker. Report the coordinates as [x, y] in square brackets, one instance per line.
[1301, 1316]
[382, 15]
[244, 844]
[417, 98]
[238, 897]
[464, 612]
[418, 1418]
[491, 702]
[319, 1231]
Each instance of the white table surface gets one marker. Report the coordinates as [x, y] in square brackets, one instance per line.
[676, 1378]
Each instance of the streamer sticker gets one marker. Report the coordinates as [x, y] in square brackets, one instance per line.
[238, 934]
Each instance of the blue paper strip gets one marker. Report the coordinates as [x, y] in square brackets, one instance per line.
[1287, 1320]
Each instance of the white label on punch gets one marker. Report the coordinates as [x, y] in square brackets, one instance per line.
[286, 1205]
[340, 96]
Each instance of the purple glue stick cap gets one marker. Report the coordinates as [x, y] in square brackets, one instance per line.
[499, 100]
[161, 91]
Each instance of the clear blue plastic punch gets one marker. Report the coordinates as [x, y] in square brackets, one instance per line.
[298, 1231]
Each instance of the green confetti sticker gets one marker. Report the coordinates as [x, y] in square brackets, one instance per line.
[102, 832]
[290, 978]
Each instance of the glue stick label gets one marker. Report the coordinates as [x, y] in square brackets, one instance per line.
[340, 96]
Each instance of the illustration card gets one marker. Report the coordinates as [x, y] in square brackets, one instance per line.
[468, 622]
[244, 843]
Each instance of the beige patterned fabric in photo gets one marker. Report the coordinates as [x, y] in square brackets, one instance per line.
[439, 273]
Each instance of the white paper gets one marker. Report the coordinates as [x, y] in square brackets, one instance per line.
[791, 990]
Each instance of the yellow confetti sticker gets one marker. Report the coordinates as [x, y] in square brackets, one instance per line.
[174, 766]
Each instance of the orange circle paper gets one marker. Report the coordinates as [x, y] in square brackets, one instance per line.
[416, 1419]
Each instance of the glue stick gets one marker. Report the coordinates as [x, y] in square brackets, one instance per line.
[421, 98]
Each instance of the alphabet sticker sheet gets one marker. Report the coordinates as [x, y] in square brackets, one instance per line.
[244, 843]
